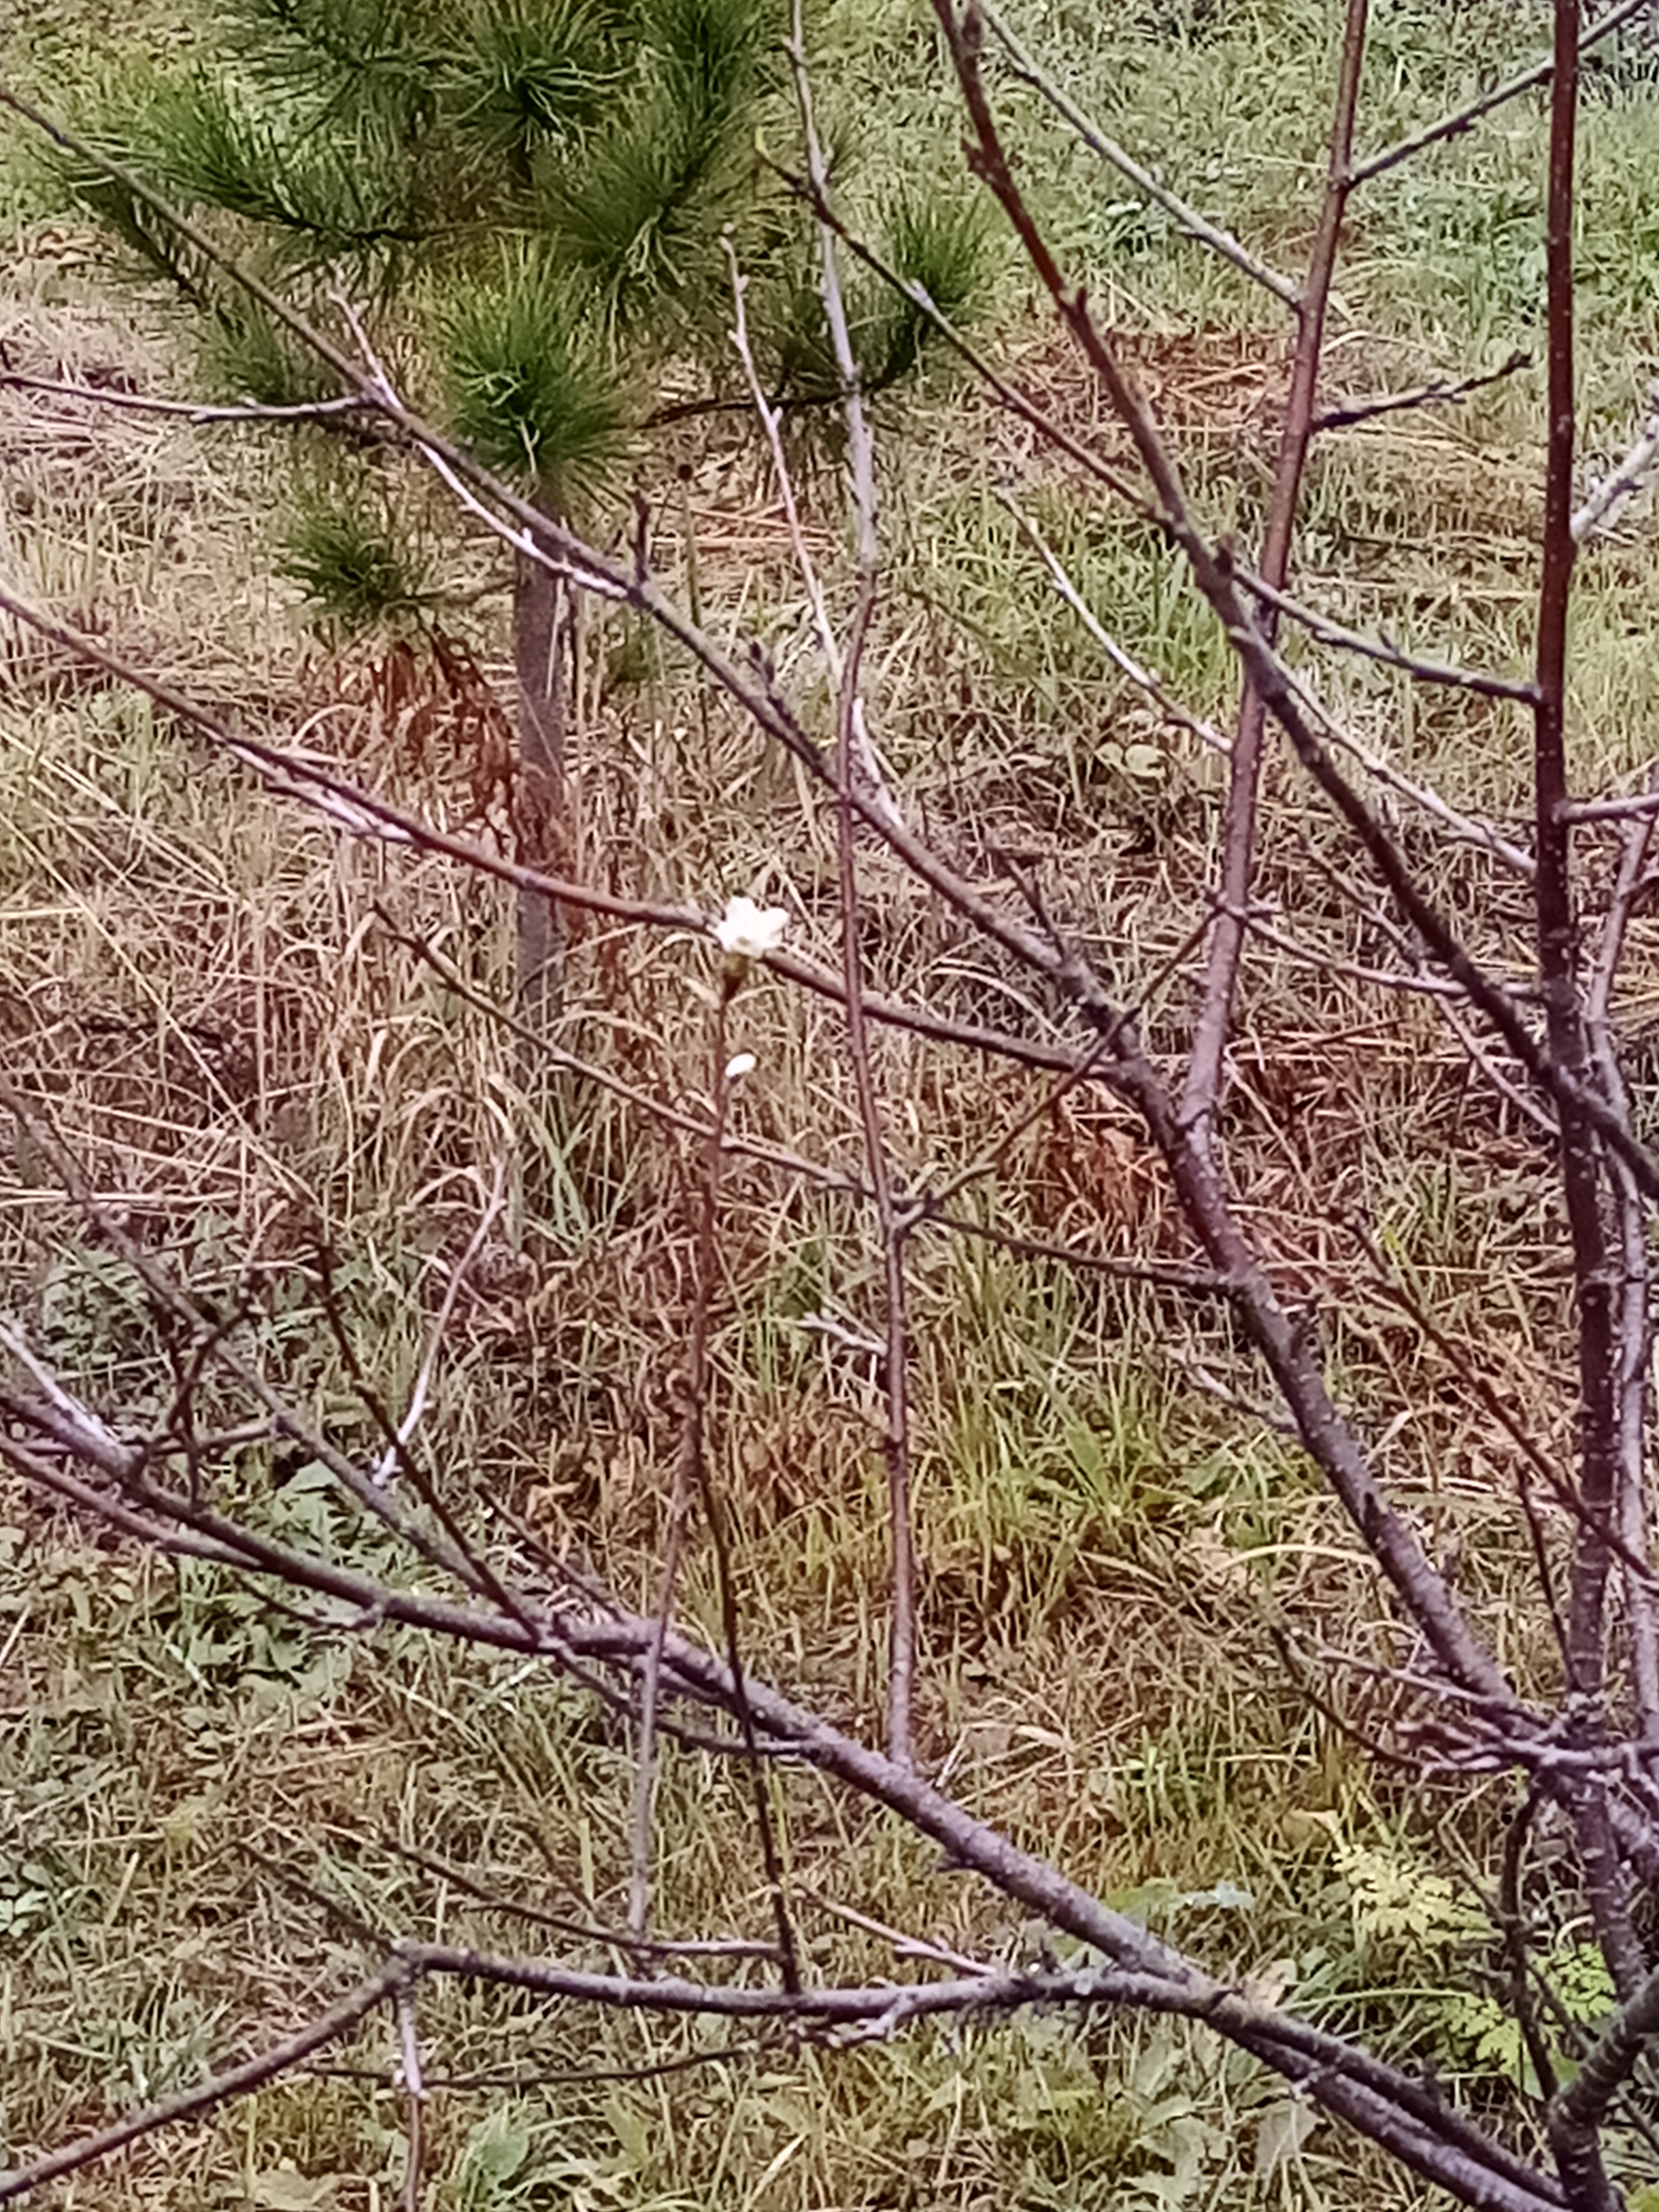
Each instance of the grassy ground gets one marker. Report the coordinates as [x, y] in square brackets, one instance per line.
[203, 1803]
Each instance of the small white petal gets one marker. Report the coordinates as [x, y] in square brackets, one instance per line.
[739, 1065]
[748, 931]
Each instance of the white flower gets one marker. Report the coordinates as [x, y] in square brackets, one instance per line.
[739, 1065]
[748, 932]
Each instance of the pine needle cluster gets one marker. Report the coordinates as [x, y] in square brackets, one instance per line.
[530, 204]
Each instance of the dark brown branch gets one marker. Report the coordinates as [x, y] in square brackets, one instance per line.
[1446, 393]
[1576, 2113]
[1200, 1092]
[1512, 1923]
[1635, 1328]
[1580, 1153]
[1463, 119]
[695, 1464]
[688, 1465]
[218, 2089]
[1295, 1369]
[1185, 216]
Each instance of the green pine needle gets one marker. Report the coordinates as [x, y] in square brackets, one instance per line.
[245, 354]
[940, 244]
[532, 75]
[361, 574]
[531, 390]
[641, 211]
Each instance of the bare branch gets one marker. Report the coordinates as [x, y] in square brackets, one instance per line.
[852, 749]
[1198, 1184]
[421, 1391]
[197, 413]
[1464, 118]
[1577, 2112]
[412, 2080]
[1185, 217]
[1635, 1327]
[1569, 1041]
[689, 1474]
[218, 2089]
[1446, 393]
[1601, 509]
[1201, 1090]
[1349, 2083]
[618, 1939]
[1215, 577]
[1384, 649]
[1169, 708]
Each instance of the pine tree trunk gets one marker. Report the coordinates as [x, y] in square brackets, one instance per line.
[538, 667]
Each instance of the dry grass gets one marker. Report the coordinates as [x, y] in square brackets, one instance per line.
[194, 976]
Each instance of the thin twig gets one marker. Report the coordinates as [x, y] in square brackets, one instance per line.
[195, 412]
[688, 1462]
[1512, 1921]
[1168, 707]
[347, 804]
[905, 1946]
[393, 1456]
[1448, 1006]
[1201, 1092]
[1464, 118]
[1384, 649]
[413, 2083]
[1635, 1325]
[1185, 216]
[553, 2077]
[1008, 396]
[1446, 393]
[452, 1557]
[1624, 482]
[896, 1433]
[217, 2090]
[621, 1939]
